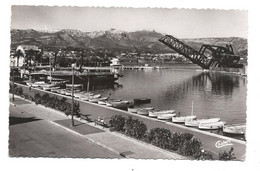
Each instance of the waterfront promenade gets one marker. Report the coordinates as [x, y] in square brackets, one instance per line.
[209, 140]
[117, 145]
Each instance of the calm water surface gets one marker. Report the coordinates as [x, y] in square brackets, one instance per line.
[213, 94]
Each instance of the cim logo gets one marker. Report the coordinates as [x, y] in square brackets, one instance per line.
[223, 143]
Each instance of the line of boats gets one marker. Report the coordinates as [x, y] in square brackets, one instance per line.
[189, 121]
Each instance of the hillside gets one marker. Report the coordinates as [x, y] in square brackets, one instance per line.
[113, 40]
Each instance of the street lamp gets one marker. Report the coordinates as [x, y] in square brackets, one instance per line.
[13, 80]
[72, 95]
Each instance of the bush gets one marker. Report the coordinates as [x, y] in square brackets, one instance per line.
[160, 137]
[117, 123]
[37, 98]
[203, 155]
[227, 155]
[190, 147]
[135, 128]
[56, 103]
[175, 141]
[15, 89]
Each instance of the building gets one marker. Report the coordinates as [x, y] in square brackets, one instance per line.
[115, 62]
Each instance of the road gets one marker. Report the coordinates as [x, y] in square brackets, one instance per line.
[33, 137]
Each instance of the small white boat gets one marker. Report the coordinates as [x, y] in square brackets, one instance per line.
[182, 119]
[154, 114]
[84, 98]
[102, 102]
[103, 98]
[111, 101]
[132, 110]
[166, 116]
[235, 129]
[63, 91]
[144, 111]
[68, 93]
[211, 126]
[46, 88]
[75, 86]
[196, 122]
[37, 84]
[93, 100]
[55, 89]
[78, 94]
[95, 96]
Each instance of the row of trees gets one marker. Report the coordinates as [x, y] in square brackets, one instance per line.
[183, 143]
[64, 57]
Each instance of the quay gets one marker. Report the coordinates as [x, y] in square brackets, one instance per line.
[92, 141]
[210, 141]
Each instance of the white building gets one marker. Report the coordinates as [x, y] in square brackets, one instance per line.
[115, 62]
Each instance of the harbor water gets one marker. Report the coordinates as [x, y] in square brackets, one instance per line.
[214, 94]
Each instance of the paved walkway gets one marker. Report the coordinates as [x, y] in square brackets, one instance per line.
[120, 144]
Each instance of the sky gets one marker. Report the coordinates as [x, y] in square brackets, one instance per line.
[182, 23]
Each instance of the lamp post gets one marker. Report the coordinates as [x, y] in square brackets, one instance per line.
[72, 95]
[13, 81]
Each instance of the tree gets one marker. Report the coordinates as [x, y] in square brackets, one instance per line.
[18, 54]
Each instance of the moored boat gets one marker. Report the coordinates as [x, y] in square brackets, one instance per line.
[154, 114]
[182, 119]
[46, 88]
[166, 116]
[55, 89]
[211, 126]
[102, 100]
[63, 91]
[142, 100]
[144, 111]
[196, 122]
[109, 102]
[84, 98]
[93, 100]
[132, 110]
[235, 129]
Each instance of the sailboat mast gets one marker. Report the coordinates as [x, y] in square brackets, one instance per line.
[192, 108]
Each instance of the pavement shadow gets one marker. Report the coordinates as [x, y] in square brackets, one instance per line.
[18, 120]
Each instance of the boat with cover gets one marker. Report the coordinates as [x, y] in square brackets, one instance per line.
[196, 122]
[239, 129]
[142, 100]
[182, 119]
[211, 126]
[154, 114]
[166, 116]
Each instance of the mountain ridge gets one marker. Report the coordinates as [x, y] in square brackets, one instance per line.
[113, 40]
